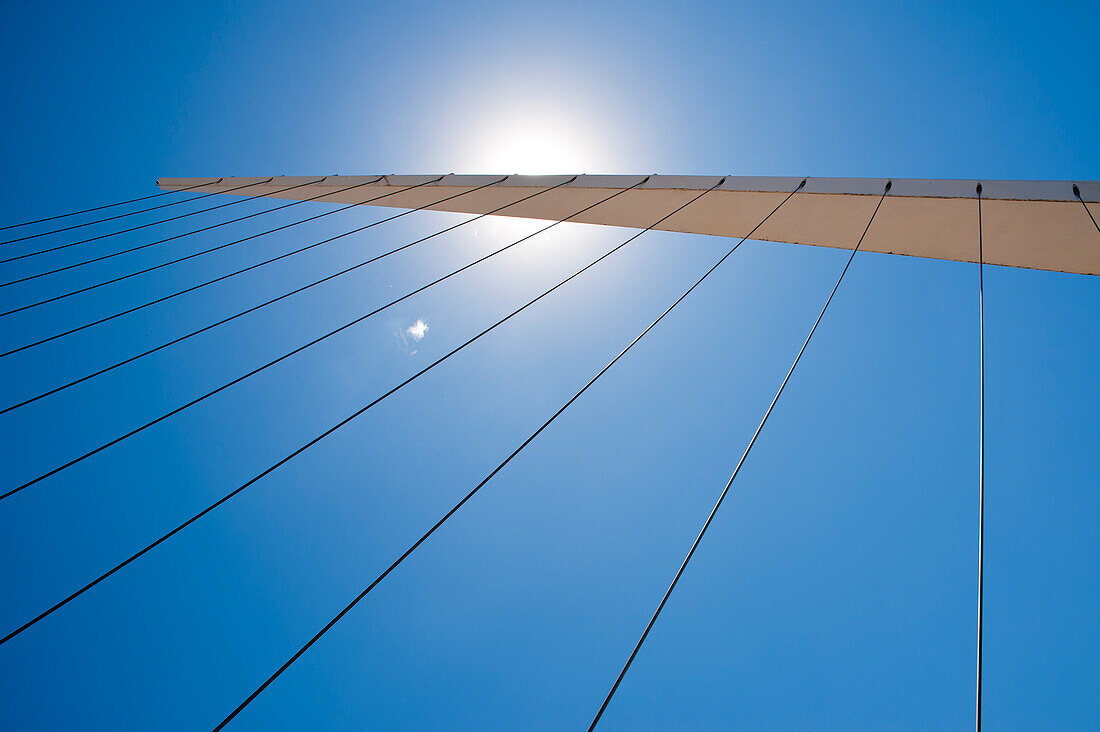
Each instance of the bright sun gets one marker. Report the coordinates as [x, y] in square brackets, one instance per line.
[541, 141]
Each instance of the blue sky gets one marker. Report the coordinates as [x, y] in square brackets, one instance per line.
[836, 589]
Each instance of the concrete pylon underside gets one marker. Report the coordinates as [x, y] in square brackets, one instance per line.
[1030, 224]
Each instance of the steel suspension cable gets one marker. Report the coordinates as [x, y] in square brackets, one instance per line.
[339, 424]
[220, 278]
[328, 626]
[1077, 193]
[706, 524]
[108, 205]
[981, 459]
[142, 226]
[215, 248]
[257, 370]
[130, 213]
[180, 236]
[295, 291]
[251, 373]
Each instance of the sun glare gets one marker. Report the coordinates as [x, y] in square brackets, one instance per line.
[537, 148]
[542, 141]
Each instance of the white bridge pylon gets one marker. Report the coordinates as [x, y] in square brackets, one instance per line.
[1030, 224]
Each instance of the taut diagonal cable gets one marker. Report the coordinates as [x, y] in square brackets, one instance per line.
[131, 213]
[111, 205]
[1077, 193]
[250, 237]
[189, 233]
[501, 466]
[981, 459]
[258, 369]
[143, 226]
[706, 524]
[251, 373]
[295, 291]
[291, 253]
[329, 431]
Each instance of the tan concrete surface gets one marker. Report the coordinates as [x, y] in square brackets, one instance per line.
[1031, 224]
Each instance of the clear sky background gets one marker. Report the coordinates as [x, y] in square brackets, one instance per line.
[836, 588]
